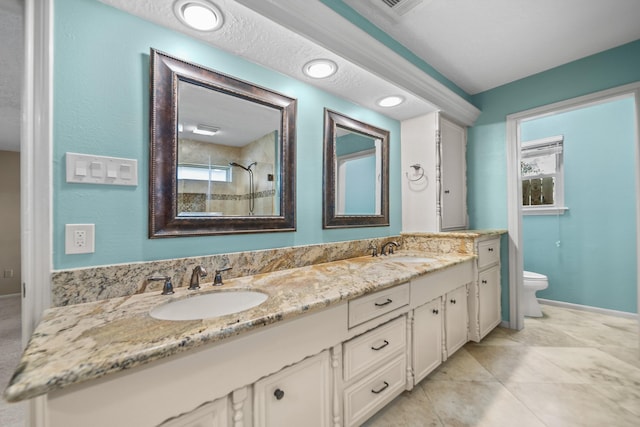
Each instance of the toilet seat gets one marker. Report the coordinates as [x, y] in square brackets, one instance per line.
[530, 275]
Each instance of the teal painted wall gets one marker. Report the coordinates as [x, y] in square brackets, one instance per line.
[594, 261]
[486, 143]
[101, 107]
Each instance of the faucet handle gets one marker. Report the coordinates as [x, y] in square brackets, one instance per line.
[167, 288]
[217, 280]
[374, 249]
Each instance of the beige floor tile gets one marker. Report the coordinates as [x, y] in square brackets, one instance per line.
[410, 409]
[461, 367]
[537, 334]
[598, 334]
[592, 365]
[477, 404]
[626, 397]
[562, 405]
[498, 337]
[520, 364]
[626, 354]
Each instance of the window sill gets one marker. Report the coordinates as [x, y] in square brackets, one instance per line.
[544, 210]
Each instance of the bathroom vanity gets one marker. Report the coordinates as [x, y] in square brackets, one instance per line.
[331, 345]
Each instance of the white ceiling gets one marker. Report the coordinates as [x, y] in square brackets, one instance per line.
[482, 44]
[478, 44]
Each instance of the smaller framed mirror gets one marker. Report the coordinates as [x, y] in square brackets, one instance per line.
[356, 173]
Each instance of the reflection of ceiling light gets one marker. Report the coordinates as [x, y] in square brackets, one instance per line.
[198, 14]
[180, 127]
[320, 68]
[205, 130]
[391, 101]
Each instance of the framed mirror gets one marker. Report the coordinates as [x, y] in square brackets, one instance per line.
[222, 153]
[356, 173]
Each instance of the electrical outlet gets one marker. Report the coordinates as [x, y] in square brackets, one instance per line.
[79, 238]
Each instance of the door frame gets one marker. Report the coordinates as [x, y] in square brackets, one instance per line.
[36, 136]
[514, 188]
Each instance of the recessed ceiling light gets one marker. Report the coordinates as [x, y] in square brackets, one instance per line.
[391, 101]
[320, 68]
[198, 14]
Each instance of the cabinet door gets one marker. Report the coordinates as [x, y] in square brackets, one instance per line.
[299, 395]
[489, 296]
[455, 319]
[427, 338]
[453, 197]
[213, 414]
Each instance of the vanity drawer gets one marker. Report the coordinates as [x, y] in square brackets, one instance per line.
[370, 349]
[371, 306]
[367, 396]
[488, 253]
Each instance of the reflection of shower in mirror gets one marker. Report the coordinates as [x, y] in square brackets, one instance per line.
[252, 194]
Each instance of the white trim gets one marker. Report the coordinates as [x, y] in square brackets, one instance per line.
[514, 191]
[589, 308]
[544, 211]
[35, 175]
[317, 22]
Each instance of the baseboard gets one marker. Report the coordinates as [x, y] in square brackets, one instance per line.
[10, 295]
[588, 308]
[505, 324]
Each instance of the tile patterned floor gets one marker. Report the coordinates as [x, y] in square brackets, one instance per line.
[568, 368]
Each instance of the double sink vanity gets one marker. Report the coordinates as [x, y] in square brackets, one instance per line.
[327, 344]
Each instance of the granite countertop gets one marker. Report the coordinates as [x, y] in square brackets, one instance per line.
[81, 342]
[472, 234]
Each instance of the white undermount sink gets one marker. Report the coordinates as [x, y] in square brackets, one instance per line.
[408, 258]
[210, 305]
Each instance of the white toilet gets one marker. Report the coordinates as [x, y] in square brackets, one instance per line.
[533, 282]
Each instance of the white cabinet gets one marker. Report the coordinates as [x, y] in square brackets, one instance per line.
[455, 320]
[484, 297]
[374, 369]
[453, 176]
[213, 414]
[299, 395]
[434, 195]
[427, 338]
[489, 314]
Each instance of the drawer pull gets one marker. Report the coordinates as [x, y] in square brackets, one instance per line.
[382, 304]
[490, 249]
[484, 282]
[447, 191]
[452, 301]
[435, 311]
[380, 390]
[279, 394]
[386, 343]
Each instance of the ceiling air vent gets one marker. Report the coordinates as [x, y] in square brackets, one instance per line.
[399, 7]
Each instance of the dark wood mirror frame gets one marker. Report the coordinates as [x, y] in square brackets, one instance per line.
[166, 72]
[333, 120]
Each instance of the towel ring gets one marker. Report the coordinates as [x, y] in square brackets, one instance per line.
[418, 169]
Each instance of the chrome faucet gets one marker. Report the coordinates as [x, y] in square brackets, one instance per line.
[390, 245]
[197, 273]
[167, 288]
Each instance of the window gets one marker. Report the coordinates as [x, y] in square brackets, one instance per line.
[542, 176]
[204, 173]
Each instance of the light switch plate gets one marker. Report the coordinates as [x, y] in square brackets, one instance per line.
[89, 169]
[79, 239]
